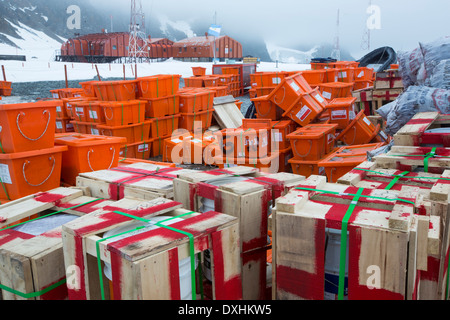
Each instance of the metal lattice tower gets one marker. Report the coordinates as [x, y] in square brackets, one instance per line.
[336, 53]
[365, 45]
[138, 43]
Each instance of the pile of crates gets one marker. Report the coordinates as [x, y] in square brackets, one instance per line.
[320, 104]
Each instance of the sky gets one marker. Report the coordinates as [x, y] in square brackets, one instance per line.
[401, 24]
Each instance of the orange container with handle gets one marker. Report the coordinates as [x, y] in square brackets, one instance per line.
[360, 131]
[346, 159]
[161, 85]
[87, 111]
[161, 107]
[314, 77]
[27, 126]
[289, 91]
[340, 111]
[306, 168]
[88, 88]
[267, 79]
[306, 108]
[332, 90]
[196, 101]
[164, 126]
[121, 113]
[198, 71]
[121, 90]
[85, 127]
[266, 109]
[313, 141]
[346, 74]
[138, 150]
[87, 153]
[279, 134]
[29, 172]
[133, 132]
[64, 125]
[191, 121]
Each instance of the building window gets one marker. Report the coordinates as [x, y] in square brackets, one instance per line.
[185, 49]
[180, 50]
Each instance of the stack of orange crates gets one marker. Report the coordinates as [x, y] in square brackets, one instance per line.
[29, 160]
[235, 80]
[163, 107]
[196, 109]
[263, 83]
[5, 88]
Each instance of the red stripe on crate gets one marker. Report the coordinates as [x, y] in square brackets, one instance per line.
[174, 274]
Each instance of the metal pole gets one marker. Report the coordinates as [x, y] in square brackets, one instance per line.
[4, 73]
[98, 73]
[65, 72]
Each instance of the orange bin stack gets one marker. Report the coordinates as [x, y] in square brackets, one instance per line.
[196, 109]
[5, 88]
[263, 83]
[235, 80]
[29, 160]
[161, 92]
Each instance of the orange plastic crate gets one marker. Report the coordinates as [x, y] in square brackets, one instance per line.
[219, 91]
[360, 131]
[121, 90]
[64, 125]
[346, 75]
[306, 168]
[133, 132]
[29, 172]
[161, 127]
[27, 126]
[161, 107]
[340, 111]
[70, 93]
[245, 143]
[333, 90]
[314, 76]
[193, 82]
[190, 149]
[267, 79]
[289, 91]
[279, 134]
[85, 127]
[306, 108]
[195, 101]
[138, 150]
[362, 84]
[364, 74]
[198, 71]
[88, 88]
[124, 112]
[263, 91]
[157, 86]
[313, 141]
[266, 109]
[87, 111]
[157, 147]
[87, 153]
[203, 119]
[68, 110]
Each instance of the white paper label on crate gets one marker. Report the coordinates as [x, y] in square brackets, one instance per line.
[79, 110]
[277, 137]
[326, 95]
[93, 114]
[59, 125]
[276, 80]
[254, 84]
[55, 95]
[338, 114]
[320, 98]
[58, 109]
[361, 74]
[294, 86]
[177, 141]
[196, 141]
[367, 121]
[95, 132]
[343, 74]
[330, 137]
[303, 113]
[352, 115]
[4, 173]
[143, 147]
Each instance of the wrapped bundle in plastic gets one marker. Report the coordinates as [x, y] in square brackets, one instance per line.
[441, 75]
[433, 53]
[414, 100]
[409, 66]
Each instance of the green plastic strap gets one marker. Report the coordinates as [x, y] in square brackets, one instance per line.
[139, 114]
[343, 251]
[157, 87]
[428, 156]
[100, 91]
[395, 180]
[122, 114]
[159, 224]
[125, 156]
[34, 294]
[351, 194]
[92, 113]
[114, 91]
[401, 177]
[1, 147]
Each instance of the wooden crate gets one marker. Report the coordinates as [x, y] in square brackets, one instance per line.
[364, 100]
[415, 158]
[144, 265]
[388, 242]
[414, 132]
[389, 79]
[32, 264]
[435, 189]
[249, 200]
[140, 180]
[384, 96]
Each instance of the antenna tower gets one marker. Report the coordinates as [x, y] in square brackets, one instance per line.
[336, 53]
[138, 43]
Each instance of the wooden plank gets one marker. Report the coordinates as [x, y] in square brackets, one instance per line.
[228, 115]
